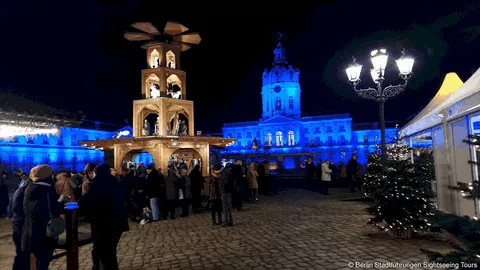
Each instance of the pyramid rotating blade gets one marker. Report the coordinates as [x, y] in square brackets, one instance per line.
[174, 28]
[185, 47]
[192, 38]
[137, 36]
[146, 27]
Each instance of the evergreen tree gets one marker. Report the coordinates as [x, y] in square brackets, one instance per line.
[402, 193]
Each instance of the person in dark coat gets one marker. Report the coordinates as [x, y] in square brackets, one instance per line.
[352, 169]
[310, 168]
[171, 187]
[215, 195]
[154, 190]
[198, 182]
[22, 259]
[261, 180]
[40, 204]
[13, 184]
[105, 205]
[333, 175]
[3, 194]
[239, 178]
[185, 185]
[226, 190]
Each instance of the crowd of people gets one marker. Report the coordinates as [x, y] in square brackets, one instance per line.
[36, 202]
[328, 174]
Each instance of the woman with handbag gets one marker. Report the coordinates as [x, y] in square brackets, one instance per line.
[42, 224]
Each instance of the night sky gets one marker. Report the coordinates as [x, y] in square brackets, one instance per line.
[74, 56]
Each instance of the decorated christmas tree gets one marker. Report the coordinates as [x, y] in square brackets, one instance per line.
[401, 192]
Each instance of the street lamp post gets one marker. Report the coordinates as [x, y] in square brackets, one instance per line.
[380, 93]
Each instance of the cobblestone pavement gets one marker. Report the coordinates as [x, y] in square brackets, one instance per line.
[295, 230]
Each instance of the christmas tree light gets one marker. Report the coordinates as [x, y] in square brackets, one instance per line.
[402, 193]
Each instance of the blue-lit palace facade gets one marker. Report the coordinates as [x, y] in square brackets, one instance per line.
[285, 138]
[61, 151]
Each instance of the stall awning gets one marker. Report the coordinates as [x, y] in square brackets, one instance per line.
[451, 85]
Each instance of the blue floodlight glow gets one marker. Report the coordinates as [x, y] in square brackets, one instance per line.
[286, 138]
[144, 158]
[60, 152]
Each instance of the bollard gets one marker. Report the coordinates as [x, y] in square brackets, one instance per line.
[72, 235]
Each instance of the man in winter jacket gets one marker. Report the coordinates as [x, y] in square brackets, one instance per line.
[352, 169]
[22, 259]
[310, 167]
[104, 203]
[154, 190]
[239, 179]
[226, 189]
[326, 177]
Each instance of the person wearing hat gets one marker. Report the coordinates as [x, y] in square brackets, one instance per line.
[41, 206]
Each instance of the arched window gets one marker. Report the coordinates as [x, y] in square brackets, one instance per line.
[154, 59]
[279, 141]
[268, 139]
[278, 103]
[268, 106]
[290, 103]
[170, 59]
[291, 138]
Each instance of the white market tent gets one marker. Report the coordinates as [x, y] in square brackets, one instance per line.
[451, 83]
[452, 115]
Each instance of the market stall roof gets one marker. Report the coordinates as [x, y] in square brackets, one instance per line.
[450, 86]
[18, 110]
[110, 143]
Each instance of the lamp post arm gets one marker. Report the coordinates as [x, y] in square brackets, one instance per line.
[367, 93]
[393, 90]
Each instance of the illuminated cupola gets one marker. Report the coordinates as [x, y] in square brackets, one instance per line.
[281, 87]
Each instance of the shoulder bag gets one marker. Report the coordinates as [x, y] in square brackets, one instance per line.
[56, 225]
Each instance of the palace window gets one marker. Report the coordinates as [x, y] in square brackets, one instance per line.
[45, 139]
[249, 134]
[342, 129]
[342, 139]
[279, 139]
[268, 106]
[290, 102]
[305, 130]
[229, 135]
[60, 140]
[329, 130]
[317, 130]
[278, 103]
[85, 137]
[268, 139]
[97, 138]
[239, 135]
[74, 138]
[330, 140]
[291, 138]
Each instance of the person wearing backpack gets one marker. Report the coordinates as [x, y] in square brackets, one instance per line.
[42, 223]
